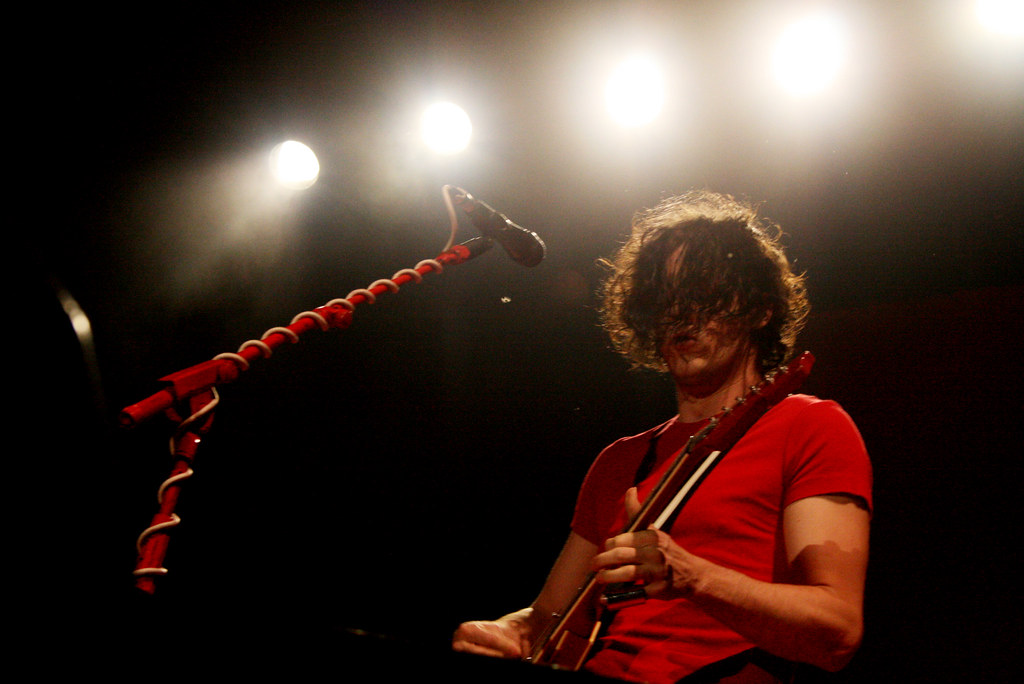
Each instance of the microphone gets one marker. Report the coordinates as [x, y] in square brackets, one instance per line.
[524, 246]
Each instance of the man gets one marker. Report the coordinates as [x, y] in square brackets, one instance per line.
[765, 564]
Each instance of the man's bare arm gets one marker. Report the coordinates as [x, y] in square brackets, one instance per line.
[815, 617]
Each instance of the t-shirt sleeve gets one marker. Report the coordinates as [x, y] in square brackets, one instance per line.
[825, 454]
[584, 519]
[604, 486]
[587, 520]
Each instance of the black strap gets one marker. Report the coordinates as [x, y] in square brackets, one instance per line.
[649, 459]
[780, 669]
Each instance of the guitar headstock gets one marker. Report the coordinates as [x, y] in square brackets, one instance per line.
[778, 385]
[788, 377]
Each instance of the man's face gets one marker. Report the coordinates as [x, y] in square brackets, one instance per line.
[703, 358]
[702, 352]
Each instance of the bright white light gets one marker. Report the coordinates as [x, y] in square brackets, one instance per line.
[446, 128]
[294, 165]
[1005, 17]
[635, 92]
[809, 54]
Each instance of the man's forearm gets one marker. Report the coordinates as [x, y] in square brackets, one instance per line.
[798, 622]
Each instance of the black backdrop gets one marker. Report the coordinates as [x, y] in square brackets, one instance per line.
[419, 468]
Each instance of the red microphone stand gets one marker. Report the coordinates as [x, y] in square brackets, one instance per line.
[191, 394]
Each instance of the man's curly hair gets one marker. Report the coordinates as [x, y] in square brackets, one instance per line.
[699, 257]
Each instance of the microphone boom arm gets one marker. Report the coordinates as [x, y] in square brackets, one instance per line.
[194, 389]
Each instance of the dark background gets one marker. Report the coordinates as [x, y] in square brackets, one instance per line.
[420, 468]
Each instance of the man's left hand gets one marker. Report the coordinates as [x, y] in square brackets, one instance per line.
[649, 556]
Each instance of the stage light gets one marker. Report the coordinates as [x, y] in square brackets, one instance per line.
[1005, 17]
[635, 92]
[809, 54]
[446, 128]
[294, 165]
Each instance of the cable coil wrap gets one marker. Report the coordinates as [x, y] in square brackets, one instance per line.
[346, 303]
[182, 446]
[197, 387]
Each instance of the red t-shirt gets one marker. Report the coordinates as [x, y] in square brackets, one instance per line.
[802, 447]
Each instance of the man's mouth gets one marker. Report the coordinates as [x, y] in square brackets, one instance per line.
[681, 344]
[682, 338]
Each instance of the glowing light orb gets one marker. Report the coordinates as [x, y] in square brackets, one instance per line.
[294, 165]
[635, 92]
[809, 54]
[1005, 17]
[446, 128]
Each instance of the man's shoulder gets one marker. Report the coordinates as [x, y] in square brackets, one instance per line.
[807, 413]
[798, 403]
[643, 437]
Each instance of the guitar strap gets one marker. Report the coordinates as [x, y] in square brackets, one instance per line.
[753, 666]
[647, 463]
[651, 457]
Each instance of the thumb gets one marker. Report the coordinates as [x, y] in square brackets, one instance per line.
[632, 503]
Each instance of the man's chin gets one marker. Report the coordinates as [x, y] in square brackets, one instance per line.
[689, 366]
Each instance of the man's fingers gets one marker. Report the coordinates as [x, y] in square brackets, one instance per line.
[485, 639]
[619, 555]
[637, 540]
[625, 565]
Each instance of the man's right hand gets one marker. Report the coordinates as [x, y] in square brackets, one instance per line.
[503, 638]
[512, 636]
